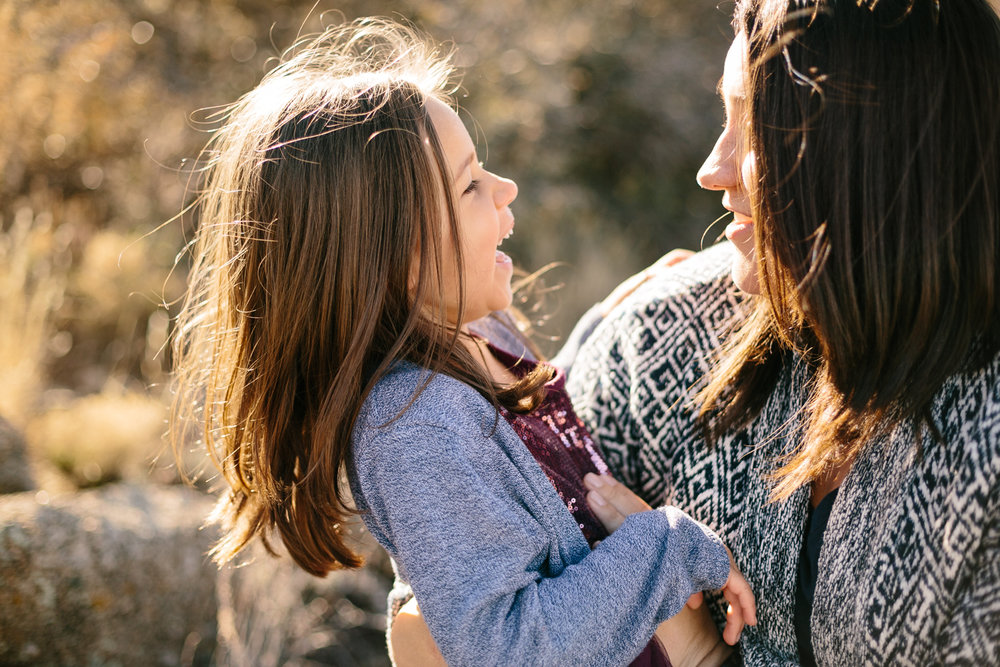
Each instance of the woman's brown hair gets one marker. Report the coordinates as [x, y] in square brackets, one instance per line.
[876, 132]
[317, 265]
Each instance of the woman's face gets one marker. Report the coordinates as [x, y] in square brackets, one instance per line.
[730, 167]
[484, 221]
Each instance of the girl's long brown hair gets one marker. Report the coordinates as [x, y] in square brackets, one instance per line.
[317, 265]
[876, 131]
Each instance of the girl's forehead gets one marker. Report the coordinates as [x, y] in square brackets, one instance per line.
[456, 143]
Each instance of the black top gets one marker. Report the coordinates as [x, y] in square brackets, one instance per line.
[808, 568]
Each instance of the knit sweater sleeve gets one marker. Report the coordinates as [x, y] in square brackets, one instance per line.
[450, 514]
[972, 637]
[601, 390]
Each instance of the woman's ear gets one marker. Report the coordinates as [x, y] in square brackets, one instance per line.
[413, 274]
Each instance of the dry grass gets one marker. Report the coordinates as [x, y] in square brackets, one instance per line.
[102, 99]
[32, 285]
[113, 435]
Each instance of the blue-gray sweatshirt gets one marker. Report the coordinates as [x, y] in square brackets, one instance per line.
[502, 572]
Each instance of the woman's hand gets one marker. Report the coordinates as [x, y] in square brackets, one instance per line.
[410, 641]
[691, 639]
[620, 293]
[612, 502]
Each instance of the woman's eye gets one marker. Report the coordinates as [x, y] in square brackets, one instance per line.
[472, 187]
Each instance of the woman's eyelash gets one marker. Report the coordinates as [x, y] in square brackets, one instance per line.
[472, 187]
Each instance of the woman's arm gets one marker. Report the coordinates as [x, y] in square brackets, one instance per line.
[972, 636]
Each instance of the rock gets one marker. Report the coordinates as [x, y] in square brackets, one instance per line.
[111, 576]
[15, 474]
[119, 576]
[272, 613]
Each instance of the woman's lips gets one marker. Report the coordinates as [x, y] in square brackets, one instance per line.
[740, 231]
[503, 258]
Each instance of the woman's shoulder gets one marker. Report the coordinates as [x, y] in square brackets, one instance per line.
[706, 273]
[676, 318]
[967, 408]
[696, 298]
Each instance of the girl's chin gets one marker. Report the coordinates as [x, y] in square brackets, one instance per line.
[505, 303]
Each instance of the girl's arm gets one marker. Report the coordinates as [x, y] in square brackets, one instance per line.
[612, 503]
[461, 530]
[689, 637]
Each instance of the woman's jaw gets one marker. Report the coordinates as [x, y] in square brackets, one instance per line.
[740, 234]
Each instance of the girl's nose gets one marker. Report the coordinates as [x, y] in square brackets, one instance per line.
[505, 192]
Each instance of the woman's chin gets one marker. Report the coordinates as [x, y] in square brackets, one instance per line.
[745, 274]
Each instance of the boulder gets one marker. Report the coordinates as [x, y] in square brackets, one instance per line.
[115, 575]
[272, 613]
[15, 474]
[119, 576]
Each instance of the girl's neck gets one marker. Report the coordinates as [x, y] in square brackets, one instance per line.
[479, 348]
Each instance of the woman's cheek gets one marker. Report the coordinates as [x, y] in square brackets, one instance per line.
[748, 173]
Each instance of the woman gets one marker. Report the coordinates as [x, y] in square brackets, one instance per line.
[853, 413]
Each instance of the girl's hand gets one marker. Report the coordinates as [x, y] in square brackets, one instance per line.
[620, 293]
[611, 502]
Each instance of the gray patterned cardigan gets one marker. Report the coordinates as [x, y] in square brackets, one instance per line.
[910, 567]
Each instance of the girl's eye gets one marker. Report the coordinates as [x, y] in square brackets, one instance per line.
[472, 187]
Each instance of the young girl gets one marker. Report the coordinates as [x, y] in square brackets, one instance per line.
[349, 241]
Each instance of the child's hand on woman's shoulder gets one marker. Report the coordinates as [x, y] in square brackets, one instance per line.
[632, 283]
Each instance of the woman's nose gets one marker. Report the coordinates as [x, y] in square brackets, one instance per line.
[719, 171]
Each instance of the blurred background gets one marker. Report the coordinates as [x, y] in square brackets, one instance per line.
[601, 111]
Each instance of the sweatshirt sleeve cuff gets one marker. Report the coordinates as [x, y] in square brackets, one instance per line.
[707, 559]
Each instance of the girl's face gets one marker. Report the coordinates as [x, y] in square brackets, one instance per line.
[730, 167]
[484, 221]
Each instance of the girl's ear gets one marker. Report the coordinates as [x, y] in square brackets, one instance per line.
[412, 279]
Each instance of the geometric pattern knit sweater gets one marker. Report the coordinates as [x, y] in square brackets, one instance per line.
[909, 572]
